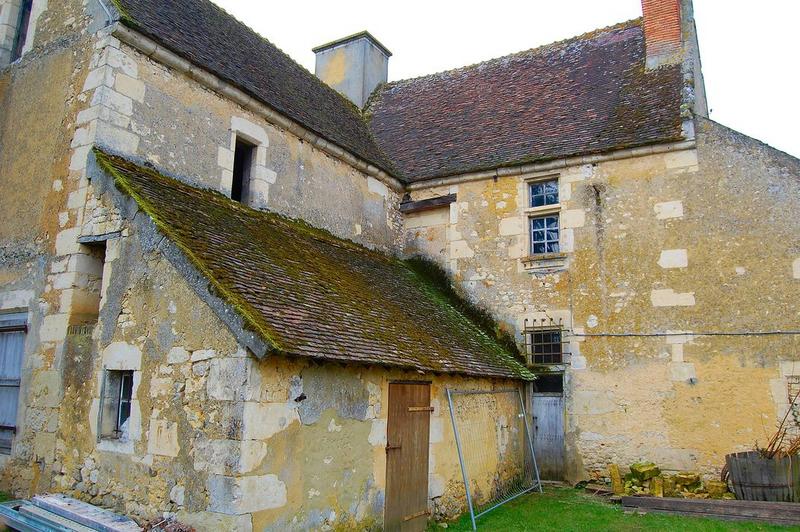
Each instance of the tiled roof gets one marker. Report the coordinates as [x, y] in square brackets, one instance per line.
[585, 95]
[310, 294]
[207, 36]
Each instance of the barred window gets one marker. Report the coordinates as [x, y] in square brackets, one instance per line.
[546, 346]
[544, 234]
[544, 193]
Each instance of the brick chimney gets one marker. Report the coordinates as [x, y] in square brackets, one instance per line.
[671, 39]
[663, 33]
[353, 65]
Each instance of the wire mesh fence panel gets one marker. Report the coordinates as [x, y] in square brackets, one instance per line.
[494, 445]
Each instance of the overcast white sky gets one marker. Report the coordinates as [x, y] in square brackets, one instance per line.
[750, 50]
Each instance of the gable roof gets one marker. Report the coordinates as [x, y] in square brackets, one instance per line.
[308, 293]
[207, 36]
[585, 95]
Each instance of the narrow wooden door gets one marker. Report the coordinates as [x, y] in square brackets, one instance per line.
[407, 434]
[548, 434]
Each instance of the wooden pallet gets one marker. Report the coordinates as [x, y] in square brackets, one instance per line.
[781, 513]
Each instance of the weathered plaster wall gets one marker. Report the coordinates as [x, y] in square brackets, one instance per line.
[693, 241]
[220, 439]
[39, 98]
[161, 115]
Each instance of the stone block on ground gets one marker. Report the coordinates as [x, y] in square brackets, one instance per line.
[617, 485]
[645, 471]
[716, 488]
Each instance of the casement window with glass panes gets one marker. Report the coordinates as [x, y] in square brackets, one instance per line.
[115, 411]
[12, 345]
[543, 216]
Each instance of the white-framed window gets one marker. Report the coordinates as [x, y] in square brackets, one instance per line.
[115, 407]
[13, 328]
[543, 216]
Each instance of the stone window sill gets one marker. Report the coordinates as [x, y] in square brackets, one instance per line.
[545, 262]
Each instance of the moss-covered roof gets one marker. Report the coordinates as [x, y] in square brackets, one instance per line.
[309, 293]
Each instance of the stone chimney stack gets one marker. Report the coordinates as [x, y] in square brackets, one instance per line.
[670, 38]
[354, 65]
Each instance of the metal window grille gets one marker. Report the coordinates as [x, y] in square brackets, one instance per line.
[544, 234]
[544, 193]
[124, 404]
[495, 448]
[544, 341]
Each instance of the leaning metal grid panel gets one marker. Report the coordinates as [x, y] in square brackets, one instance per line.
[494, 445]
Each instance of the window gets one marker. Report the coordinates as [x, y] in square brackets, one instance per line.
[12, 341]
[544, 193]
[546, 346]
[543, 207]
[549, 383]
[242, 166]
[116, 404]
[22, 29]
[544, 234]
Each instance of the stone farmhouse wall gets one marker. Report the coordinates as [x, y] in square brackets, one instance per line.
[141, 108]
[215, 436]
[698, 240]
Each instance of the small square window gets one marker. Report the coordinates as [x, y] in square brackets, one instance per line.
[544, 234]
[116, 405]
[544, 193]
[546, 347]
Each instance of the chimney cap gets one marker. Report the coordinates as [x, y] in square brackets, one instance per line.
[354, 37]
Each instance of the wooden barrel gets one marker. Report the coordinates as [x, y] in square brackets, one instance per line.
[756, 478]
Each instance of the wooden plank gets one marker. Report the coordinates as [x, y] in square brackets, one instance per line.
[427, 204]
[85, 513]
[34, 511]
[746, 510]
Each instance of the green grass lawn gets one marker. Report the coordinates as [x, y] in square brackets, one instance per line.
[565, 509]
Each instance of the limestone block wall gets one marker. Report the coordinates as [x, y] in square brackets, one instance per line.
[141, 108]
[39, 98]
[216, 437]
[658, 251]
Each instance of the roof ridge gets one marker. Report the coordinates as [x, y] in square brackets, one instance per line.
[530, 51]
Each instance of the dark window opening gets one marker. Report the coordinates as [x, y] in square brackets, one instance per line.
[22, 28]
[549, 383]
[242, 165]
[546, 346]
[12, 342]
[117, 397]
[86, 308]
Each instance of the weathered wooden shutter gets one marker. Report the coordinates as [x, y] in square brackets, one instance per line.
[12, 347]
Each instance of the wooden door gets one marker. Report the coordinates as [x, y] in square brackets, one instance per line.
[407, 434]
[548, 434]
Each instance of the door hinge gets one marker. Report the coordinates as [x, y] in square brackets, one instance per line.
[392, 447]
[420, 409]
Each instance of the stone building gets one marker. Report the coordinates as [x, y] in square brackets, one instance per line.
[208, 303]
